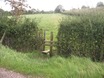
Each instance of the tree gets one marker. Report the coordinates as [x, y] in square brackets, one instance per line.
[17, 9]
[59, 9]
[100, 4]
[84, 7]
[33, 11]
[1, 11]
[42, 11]
[17, 6]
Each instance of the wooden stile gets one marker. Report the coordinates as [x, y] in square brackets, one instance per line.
[48, 43]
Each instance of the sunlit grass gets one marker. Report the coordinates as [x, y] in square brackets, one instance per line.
[48, 22]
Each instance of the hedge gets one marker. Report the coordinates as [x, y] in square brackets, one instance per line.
[83, 36]
[21, 35]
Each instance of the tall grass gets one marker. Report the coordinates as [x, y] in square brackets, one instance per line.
[57, 67]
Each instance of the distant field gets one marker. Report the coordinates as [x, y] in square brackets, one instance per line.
[48, 22]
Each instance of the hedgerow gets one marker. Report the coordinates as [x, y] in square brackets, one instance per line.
[21, 35]
[83, 36]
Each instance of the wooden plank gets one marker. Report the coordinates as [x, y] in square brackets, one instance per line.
[49, 41]
[44, 40]
[47, 51]
[47, 44]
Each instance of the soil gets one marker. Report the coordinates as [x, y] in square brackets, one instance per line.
[4, 73]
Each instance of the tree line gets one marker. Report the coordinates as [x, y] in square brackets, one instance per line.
[58, 9]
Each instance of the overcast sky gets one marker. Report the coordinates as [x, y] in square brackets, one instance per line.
[48, 5]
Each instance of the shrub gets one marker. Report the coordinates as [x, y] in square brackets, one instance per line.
[21, 35]
[83, 36]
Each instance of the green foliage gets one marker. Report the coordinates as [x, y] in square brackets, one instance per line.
[83, 36]
[20, 35]
[56, 67]
[4, 13]
[59, 9]
[47, 22]
[3, 24]
[100, 4]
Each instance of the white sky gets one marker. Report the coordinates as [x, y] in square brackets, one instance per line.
[48, 5]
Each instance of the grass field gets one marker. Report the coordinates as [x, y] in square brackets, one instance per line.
[48, 22]
[38, 65]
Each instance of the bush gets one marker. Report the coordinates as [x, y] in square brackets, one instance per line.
[83, 36]
[21, 35]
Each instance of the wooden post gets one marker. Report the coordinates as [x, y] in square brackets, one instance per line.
[44, 40]
[51, 44]
[38, 44]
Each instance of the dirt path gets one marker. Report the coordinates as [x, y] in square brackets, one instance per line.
[10, 74]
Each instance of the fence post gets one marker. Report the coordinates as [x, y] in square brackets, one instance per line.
[44, 40]
[51, 44]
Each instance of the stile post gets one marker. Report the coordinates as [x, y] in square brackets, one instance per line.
[44, 41]
[51, 44]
